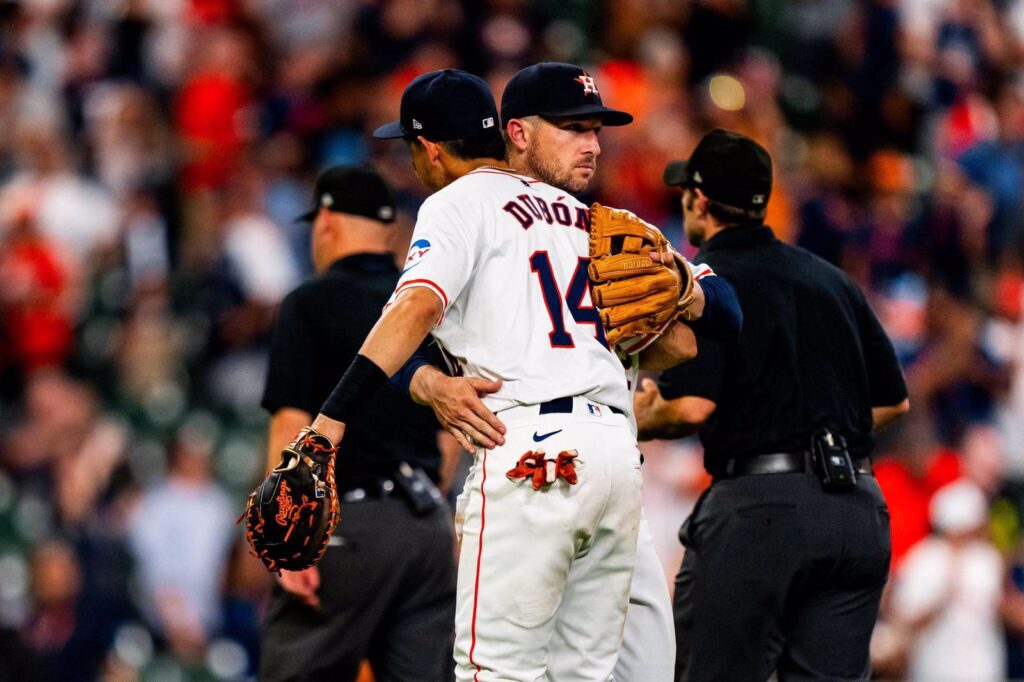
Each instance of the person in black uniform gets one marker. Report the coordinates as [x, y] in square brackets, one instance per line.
[788, 550]
[385, 588]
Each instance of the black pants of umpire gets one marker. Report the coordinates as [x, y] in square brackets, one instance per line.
[780, 576]
[387, 594]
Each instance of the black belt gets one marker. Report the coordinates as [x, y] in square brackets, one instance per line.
[353, 490]
[564, 405]
[784, 463]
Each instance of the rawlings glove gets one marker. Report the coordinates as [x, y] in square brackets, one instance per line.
[637, 296]
[290, 516]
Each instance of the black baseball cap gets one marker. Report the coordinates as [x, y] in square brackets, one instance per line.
[556, 89]
[356, 190]
[442, 106]
[728, 167]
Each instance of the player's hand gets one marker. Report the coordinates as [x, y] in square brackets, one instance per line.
[671, 259]
[302, 585]
[457, 405]
[665, 258]
[644, 405]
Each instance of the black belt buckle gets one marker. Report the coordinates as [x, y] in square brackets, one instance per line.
[832, 462]
[417, 488]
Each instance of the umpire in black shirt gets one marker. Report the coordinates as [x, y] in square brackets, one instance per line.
[385, 588]
[788, 551]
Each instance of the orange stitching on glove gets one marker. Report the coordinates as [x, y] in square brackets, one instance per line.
[306, 526]
[284, 504]
[309, 442]
[293, 513]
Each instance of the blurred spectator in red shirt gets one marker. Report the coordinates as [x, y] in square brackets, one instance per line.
[214, 121]
[909, 480]
[34, 283]
[211, 110]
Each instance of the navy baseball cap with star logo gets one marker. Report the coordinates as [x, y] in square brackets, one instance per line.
[442, 106]
[729, 168]
[557, 90]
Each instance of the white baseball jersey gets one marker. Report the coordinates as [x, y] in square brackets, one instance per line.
[507, 255]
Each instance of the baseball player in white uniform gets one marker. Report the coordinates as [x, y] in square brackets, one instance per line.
[547, 144]
[551, 137]
[497, 273]
[544, 575]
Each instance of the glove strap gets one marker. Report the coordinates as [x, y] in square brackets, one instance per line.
[307, 440]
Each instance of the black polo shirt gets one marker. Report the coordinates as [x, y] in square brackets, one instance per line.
[811, 354]
[319, 329]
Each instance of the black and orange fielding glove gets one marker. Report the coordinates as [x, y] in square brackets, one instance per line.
[290, 516]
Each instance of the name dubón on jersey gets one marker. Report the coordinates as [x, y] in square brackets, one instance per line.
[527, 209]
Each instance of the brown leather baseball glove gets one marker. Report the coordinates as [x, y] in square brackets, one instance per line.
[290, 516]
[637, 296]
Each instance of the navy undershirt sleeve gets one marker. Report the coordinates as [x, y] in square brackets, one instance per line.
[722, 313]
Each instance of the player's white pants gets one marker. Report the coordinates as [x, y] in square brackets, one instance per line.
[649, 642]
[648, 651]
[550, 570]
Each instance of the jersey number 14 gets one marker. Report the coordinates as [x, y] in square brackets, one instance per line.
[559, 337]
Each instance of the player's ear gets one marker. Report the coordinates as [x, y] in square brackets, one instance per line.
[518, 133]
[320, 219]
[432, 150]
[702, 201]
[322, 224]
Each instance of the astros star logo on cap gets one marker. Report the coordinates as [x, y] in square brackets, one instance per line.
[587, 81]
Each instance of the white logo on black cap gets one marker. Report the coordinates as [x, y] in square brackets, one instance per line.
[697, 177]
[416, 125]
[489, 122]
[757, 199]
[385, 212]
[327, 200]
[587, 81]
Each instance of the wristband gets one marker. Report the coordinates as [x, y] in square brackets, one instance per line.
[359, 380]
[402, 379]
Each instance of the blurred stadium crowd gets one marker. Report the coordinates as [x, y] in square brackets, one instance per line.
[153, 154]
